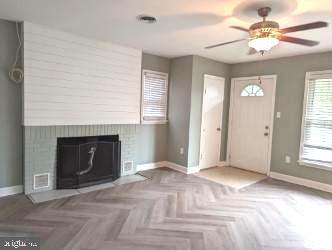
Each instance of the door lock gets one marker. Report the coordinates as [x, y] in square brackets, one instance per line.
[266, 134]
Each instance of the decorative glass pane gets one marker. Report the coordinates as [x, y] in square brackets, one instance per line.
[252, 90]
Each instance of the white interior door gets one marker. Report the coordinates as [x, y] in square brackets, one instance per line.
[251, 123]
[211, 121]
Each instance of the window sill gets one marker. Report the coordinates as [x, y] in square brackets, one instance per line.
[315, 164]
[154, 122]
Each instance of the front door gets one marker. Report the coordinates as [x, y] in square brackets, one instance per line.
[251, 123]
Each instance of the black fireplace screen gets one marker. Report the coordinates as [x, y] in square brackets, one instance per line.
[86, 161]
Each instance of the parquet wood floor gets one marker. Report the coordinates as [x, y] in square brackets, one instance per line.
[177, 211]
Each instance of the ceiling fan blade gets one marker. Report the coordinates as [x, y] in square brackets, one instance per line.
[239, 28]
[307, 26]
[221, 44]
[252, 51]
[305, 42]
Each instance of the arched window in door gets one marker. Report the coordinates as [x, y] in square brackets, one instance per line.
[252, 90]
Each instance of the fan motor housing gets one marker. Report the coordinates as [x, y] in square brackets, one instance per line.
[265, 25]
[264, 29]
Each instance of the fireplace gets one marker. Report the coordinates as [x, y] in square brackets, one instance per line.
[86, 161]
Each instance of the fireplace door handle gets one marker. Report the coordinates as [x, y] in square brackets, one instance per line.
[90, 162]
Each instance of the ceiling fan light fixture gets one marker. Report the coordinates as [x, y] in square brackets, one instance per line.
[264, 35]
[263, 43]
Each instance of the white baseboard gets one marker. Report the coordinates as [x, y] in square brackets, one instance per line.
[302, 182]
[176, 167]
[11, 190]
[222, 164]
[168, 164]
[193, 170]
[181, 168]
[152, 165]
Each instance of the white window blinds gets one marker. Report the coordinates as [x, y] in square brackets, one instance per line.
[316, 143]
[154, 99]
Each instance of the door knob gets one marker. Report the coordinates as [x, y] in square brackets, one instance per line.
[218, 129]
[266, 134]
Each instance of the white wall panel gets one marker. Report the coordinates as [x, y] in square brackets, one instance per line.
[70, 80]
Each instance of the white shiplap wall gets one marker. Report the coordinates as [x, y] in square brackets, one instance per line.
[70, 80]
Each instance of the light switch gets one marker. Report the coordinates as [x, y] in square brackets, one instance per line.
[181, 151]
[288, 159]
[278, 115]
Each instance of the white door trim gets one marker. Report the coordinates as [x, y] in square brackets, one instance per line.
[214, 77]
[221, 125]
[230, 117]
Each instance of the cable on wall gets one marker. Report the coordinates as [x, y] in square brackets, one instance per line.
[16, 73]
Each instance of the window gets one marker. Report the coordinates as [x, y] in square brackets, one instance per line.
[154, 99]
[316, 142]
[252, 90]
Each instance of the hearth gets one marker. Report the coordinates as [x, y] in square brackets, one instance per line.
[86, 161]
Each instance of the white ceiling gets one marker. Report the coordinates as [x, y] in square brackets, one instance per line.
[184, 27]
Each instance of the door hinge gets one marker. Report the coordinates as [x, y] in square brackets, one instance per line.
[204, 91]
[201, 156]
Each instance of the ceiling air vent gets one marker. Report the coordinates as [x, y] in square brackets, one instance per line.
[128, 168]
[147, 19]
[41, 181]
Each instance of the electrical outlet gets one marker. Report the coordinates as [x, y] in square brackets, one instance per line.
[181, 151]
[288, 159]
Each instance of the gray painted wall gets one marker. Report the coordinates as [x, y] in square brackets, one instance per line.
[185, 107]
[10, 111]
[289, 101]
[152, 139]
[179, 109]
[203, 66]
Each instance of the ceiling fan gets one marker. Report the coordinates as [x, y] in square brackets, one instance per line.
[267, 34]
